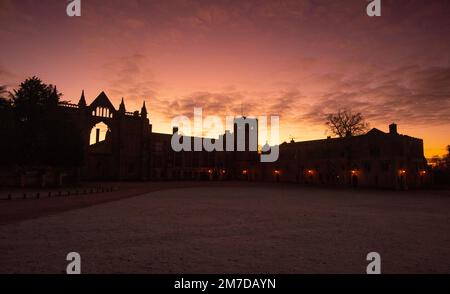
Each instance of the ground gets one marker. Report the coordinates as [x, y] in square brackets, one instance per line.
[230, 228]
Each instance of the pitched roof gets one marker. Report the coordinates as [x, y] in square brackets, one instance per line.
[375, 131]
[102, 101]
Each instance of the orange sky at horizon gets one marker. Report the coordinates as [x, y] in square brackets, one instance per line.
[297, 59]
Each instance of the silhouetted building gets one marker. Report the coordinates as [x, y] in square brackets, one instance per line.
[116, 142]
[376, 159]
[121, 145]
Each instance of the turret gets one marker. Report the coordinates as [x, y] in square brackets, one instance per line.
[144, 111]
[122, 109]
[55, 96]
[82, 102]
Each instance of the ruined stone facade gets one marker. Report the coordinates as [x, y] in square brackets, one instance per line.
[116, 142]
[121, 145]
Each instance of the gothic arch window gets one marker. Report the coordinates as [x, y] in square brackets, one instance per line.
[99, 133]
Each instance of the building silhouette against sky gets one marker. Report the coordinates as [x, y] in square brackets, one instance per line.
[120, 145]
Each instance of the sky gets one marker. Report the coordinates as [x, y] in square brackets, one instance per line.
[300, 59]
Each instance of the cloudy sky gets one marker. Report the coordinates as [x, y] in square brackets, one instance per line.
[297, 59]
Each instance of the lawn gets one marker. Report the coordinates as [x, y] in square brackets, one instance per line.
[240, 228]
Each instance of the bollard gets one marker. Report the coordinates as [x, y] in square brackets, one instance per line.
[49, 194]
[59, 193]
[9, 196]
[38, 195]
[24, 195]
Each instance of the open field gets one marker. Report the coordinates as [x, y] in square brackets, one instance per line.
[231, 228]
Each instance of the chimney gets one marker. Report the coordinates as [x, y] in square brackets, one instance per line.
[393, 129]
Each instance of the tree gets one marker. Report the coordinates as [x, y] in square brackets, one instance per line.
[44, 136]
[345, 123]
[7, 127]
[436, 161]
[4, 102]
[33, 97]
[441, 168]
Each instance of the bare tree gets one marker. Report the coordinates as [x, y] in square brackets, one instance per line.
[345, 123]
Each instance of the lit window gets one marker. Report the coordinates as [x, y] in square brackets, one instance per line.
[98, 133]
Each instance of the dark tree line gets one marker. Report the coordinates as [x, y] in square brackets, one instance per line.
[441, 168]
[33, 130]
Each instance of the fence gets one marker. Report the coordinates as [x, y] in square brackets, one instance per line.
[58, 193]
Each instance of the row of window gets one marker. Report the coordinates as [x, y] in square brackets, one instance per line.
[102, 112]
